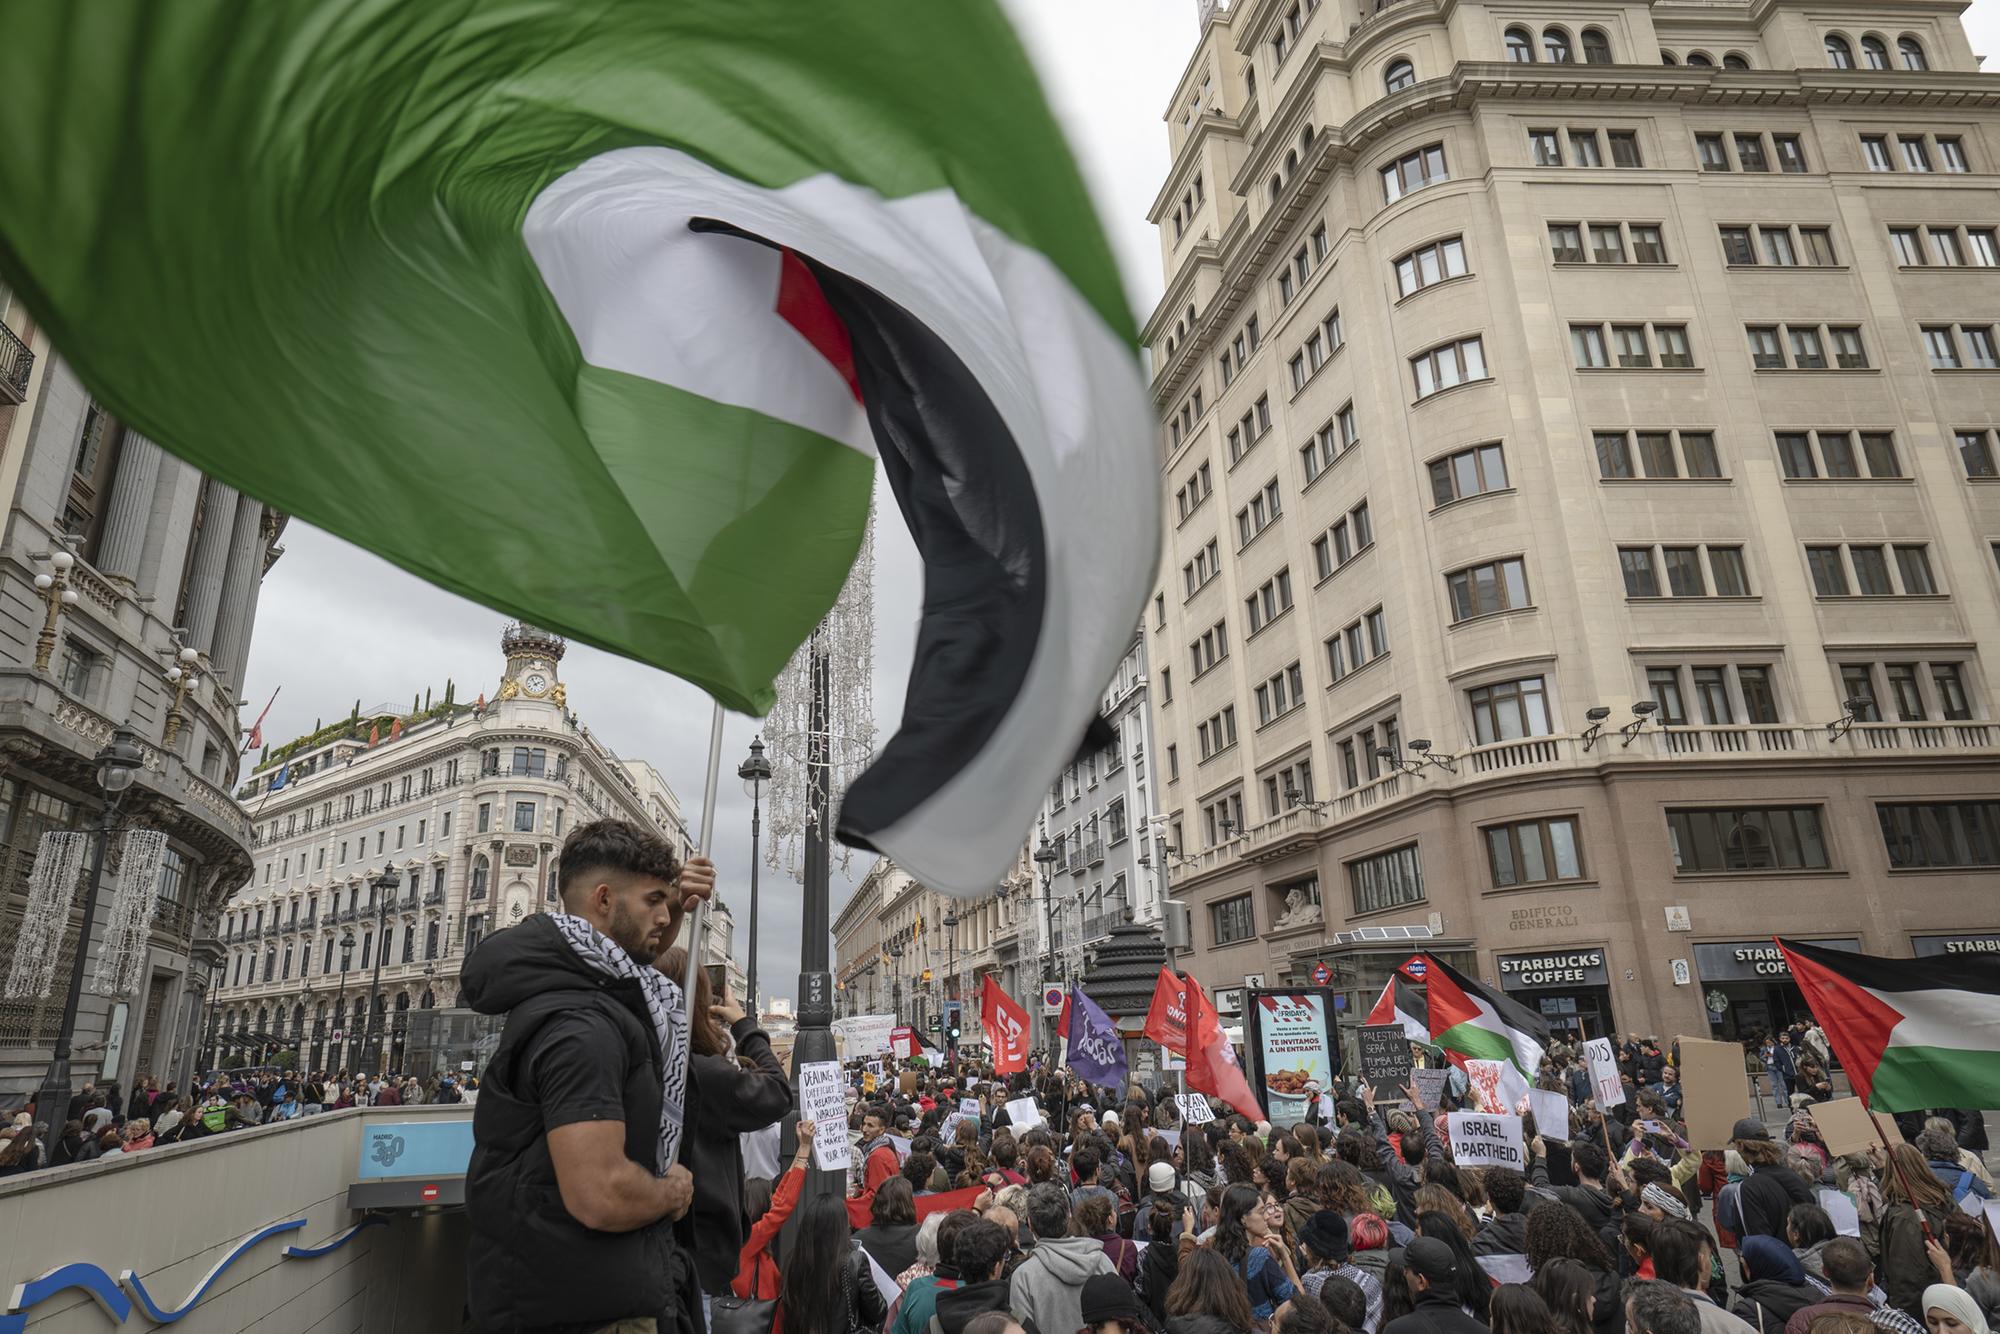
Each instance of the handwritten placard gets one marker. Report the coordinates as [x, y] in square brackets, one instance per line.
[823, 1101]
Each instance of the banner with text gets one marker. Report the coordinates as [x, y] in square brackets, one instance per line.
[1486, 1139]
[823, 1101]
[1292, 1043]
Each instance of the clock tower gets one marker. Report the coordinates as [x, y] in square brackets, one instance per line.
[532, 655]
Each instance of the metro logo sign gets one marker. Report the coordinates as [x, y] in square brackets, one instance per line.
[1415, 968]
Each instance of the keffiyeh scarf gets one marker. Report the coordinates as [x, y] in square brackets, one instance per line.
[663, 1003]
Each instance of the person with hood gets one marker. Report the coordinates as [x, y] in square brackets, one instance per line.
[726, 1097]
[1111, 1307]
[573, 1187]
[1324, 1241]
[980, 1255]
[1765, 1197]
[1207, 1297]
[1432, 1272]
[1949, 1309]
[1775, 1287]
[1047, 1288]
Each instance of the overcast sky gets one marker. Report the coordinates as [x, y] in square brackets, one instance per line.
[336, 624]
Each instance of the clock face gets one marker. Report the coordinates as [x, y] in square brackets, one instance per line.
[535, 683]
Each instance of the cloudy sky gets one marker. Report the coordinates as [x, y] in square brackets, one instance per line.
[336, 624]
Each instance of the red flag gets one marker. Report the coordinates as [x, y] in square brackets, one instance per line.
[1006, 1025]
[1166, 1021]
[1211, 1062]
[1062, 1020]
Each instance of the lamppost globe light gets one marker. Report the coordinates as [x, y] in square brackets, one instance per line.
[1045, 854]
[189, 655]
[118, 763]
[44, 582]
[62, 561]
[69, 598]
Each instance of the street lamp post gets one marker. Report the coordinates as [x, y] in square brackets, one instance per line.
[117, 766]
[385, 887]
[951, 1014]
[755, 772]
[1045, 859]
[346, 958]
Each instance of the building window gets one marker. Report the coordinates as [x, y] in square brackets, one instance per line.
[1400, 75]
[1532, 852]
[1555, 45]
[1262, 511]
[1198, 488]
[1430, 264]
[1216, 733]
[1211, 648]
[1839, 55]
[1232, 920]
[1948, 247]
[1832, 455]
[1953, 347]
[1871, 565]
[1662, 455]
[1454, 363]
[1545, 148]
[1392, 879]
[1271, 601]
[1780, 838]
[1359, 644]
[1413, 171]
[1912, 52]
[1636, 347]
[1281, 694]
[1197, 573]
[524, 817]
[1329, 443]
[1520, 46]
[1468, 472]
[1940, 834]
[82, 669]
[1610, 243]
[1976, 451]
[1684, 566]
[1807, 346]
[1344, 541]
[1509, 710]
[1596, 47]
[1708, 148]
[1777, 245]
[1483, 590]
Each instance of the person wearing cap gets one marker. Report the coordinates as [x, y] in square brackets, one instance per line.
[1769, 1192]
[1324, 1239]
[1111, 1307]
[1431, 1270]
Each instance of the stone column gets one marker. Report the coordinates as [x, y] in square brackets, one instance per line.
[211, 555]
[239, 587]
[122, 548]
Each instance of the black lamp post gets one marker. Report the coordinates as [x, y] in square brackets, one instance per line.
[1045, 858]
[118, 765]
[951, 1012]
[346, 958]
[385, 886]
[755, 772]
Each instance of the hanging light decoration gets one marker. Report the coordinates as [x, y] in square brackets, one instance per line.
[51, 890]
[845, 640]
[122, 957]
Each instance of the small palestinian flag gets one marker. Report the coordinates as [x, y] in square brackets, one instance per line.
[1399, 1003]
[1911, 1033]
[1474, 1022]
[605, 314]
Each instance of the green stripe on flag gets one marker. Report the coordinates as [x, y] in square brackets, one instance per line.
[1475, 1043]
[1911, 1078]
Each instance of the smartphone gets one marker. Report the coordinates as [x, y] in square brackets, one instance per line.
[718, 980]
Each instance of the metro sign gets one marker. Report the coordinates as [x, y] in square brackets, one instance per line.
[1321, 974]
[1415, 968]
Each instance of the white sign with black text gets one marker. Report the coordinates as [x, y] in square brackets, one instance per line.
[823, 1101]
[1486, 1139]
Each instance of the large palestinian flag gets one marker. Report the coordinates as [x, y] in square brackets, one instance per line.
[1911, 1033]
[602, 313]
[1473, 1022]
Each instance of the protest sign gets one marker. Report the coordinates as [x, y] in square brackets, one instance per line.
[1430, 1086]
[907, 1081]
[969, 1107]
[1839, 1208]
[1551, 1111]
[1991, 1208]
[823, 1101]
[1172, 1137]
[902, 1043]
[1499, 1085]
[1716, 1094]
[1843, 1124]
[1195, 1110]
[1607, 1090]
[1023, 1113]
[1385, 1059]
[901, 1145]
[1486, 1139]
[868, 1081]
[866, 1034]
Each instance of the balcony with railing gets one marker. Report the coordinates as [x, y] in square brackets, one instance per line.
[17, 364]
[1093, 852]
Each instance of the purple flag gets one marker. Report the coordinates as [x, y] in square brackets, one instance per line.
[1096, 1052]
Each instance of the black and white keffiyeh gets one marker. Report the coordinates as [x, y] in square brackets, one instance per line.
[663, 1003]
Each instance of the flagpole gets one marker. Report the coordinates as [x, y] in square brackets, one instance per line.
[698, 923]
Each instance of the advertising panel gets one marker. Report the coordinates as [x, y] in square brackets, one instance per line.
[1291, 1042]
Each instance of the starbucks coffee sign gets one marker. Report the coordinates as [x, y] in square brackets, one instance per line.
[1571, 968]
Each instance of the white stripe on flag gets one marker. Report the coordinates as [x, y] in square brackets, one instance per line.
[1955, 1020]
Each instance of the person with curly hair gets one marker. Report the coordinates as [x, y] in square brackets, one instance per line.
[1555, 1231]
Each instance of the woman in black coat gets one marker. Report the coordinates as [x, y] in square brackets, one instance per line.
[728, 1096]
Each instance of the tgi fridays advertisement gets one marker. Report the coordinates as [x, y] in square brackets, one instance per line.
[1293, 1045]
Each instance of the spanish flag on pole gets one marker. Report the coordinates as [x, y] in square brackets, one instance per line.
[604, 314]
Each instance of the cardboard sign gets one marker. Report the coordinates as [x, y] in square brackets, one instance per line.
[1717, 1094]
[1385, 1059]
[1607, 1090]
[1430, 1085]
[1195, 1110]
[1487, 1139]
[1551, 1111]
[1843, 1124]
[969, 1107]
[1023, 1113]
[907, 1081]
[823, 1101]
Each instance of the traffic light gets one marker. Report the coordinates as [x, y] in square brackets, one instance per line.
[927, 975]
[953, 1014]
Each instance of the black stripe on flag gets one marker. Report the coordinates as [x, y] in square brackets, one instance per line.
[1942, 972]
[1512, 1013]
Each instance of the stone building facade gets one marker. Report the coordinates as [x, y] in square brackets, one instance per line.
[469, 802]
[128, 593]
[1579, 438]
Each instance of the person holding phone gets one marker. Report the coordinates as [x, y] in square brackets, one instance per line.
[729, 1095]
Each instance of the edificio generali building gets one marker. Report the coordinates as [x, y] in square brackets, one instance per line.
[1578, 435]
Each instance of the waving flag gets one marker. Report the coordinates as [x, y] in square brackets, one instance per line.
[601, 314]
[1911, 1033]
[1211, 1061]
[1399, 1003]
[1006, 1025]
[1166, 1019]
[1474, 1022]
[1095, 1050]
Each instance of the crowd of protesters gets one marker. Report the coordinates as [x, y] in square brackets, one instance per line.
[107, 1123]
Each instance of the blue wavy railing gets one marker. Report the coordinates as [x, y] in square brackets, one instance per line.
[96, 1283]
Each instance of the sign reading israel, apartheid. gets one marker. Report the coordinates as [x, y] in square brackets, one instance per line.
[1486, 1139]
